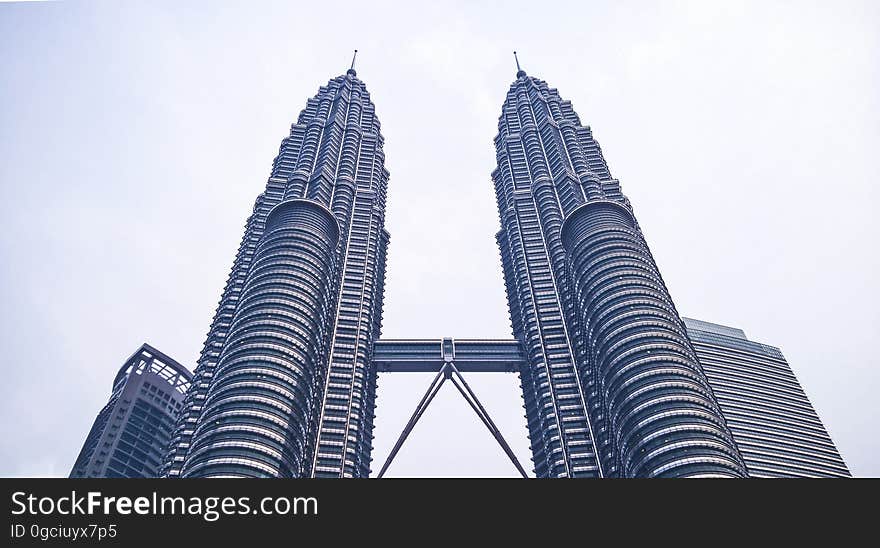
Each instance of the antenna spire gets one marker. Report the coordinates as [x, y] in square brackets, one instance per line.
[353, 58]
[519, 71]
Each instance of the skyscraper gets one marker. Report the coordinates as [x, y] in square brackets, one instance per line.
[613, 386]
[129, 436]
[773, 422]
[284, 386]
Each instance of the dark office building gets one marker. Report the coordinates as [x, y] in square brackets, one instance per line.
[773, 422]
[131, 433]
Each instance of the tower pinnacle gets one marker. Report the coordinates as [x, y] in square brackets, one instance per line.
[351, 69]
[519, 71]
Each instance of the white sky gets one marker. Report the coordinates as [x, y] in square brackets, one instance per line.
[134, 138]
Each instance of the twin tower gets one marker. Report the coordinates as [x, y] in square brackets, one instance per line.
[286, 383]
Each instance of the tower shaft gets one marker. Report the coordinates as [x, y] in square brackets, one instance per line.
[612, 385]
[284, 378]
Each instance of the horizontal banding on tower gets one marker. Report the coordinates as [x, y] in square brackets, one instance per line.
[661, 413]
[592, 215]
[266, 389]
[305, 213]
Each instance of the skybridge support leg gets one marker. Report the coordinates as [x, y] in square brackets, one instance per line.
[481, 412]
[449, 371]
[417, 414]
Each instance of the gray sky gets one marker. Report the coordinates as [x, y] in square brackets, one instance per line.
[134, 138]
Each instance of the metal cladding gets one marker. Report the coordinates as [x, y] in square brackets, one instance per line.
[773, 422]
[612, 385]
[266, 389]
[610, 389]
[660, 410]
[295, 325]
[130, 434]
[542, 154]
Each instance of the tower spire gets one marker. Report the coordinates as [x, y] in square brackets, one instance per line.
[351, 68]
[519, 71]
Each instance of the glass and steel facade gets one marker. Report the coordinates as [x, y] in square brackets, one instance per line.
[612, 385]
[284, 386]
[130, 434]
[773, 422]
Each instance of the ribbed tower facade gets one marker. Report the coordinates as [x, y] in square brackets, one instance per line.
[612, 385]
[284, 385]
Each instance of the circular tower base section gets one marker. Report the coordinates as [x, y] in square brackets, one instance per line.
[257, 418]
[661, 416]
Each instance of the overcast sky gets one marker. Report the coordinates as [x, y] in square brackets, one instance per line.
[135, 137]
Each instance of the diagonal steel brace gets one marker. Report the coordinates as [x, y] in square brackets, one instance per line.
[450, 372]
